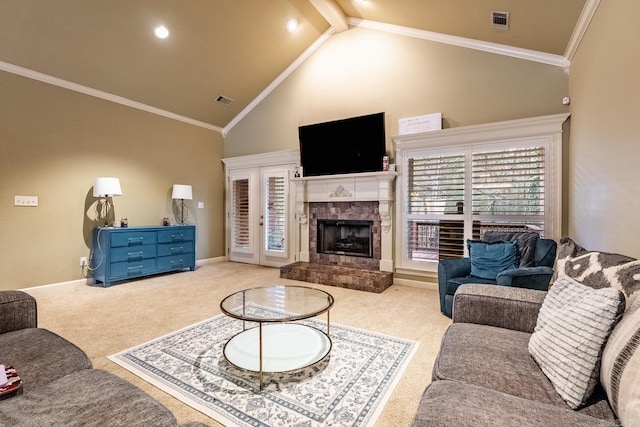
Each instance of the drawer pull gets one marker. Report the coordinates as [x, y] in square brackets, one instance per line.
[177, 250]
[176, 262]
[134, 255]
[135, 240]
[135, 268]
[177, 236]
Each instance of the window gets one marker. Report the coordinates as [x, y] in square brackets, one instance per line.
[240, 230]
[506, 193]
[435, 193]
[456, 187]
[275, 212]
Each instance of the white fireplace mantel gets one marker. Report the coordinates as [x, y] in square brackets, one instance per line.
[360, 187]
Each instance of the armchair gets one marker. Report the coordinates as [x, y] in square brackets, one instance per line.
[455, 272]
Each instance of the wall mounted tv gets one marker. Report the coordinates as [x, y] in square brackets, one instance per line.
[352, 145]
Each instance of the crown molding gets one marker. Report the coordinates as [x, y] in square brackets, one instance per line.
[55, 81]
[500, 49]
[588, 10]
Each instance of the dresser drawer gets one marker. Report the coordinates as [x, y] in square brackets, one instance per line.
[133, 238]
[176, 234]
[166, 249]
[176, 262]
[133, 253]
[122, 270]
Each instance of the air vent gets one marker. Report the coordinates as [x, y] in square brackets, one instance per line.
[500, 20]
[224, 100]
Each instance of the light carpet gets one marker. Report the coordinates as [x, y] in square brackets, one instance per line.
[348, 388]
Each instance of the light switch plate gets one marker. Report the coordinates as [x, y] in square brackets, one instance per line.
[200, 205]
[25, 201]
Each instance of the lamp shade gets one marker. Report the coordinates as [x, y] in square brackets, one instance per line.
[106, 186]
[181, 192]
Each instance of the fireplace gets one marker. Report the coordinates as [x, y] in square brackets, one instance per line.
[353, 211]
[349, 197]
[345, 237]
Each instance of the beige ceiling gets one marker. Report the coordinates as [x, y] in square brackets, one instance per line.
[234, 48]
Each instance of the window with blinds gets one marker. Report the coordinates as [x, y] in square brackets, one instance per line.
[508, 190]
[240, 214]
[436, 190]
[504, 188]
[275, 213]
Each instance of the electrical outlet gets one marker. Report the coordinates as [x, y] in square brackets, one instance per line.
[83, 261]
[25, 200]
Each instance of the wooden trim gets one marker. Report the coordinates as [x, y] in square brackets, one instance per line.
[65, 84]
[500, 49]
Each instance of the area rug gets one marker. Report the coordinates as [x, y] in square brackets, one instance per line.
[348, 388]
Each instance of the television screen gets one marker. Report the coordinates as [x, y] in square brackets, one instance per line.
[350, 145]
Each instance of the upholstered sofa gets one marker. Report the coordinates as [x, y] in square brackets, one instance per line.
[485, 374]
[535, 258]
[60, 387]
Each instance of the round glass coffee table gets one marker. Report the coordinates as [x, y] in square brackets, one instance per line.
[277, 344]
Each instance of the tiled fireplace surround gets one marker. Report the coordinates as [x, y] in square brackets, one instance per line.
[344, 211]
[366, 196]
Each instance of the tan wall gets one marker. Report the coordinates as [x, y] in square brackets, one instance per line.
[604, 194]
[55, 142]
[365, 71]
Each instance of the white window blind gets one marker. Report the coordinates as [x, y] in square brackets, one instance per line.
[275, 213]
[436, 191]
[240, 230]
[504, 188]
[509, 182]
[508, 190]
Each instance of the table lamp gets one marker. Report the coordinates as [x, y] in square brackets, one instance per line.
[106, 187]
[181, 192]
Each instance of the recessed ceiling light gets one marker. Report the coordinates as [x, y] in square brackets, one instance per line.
[291, 24]
[161, 32]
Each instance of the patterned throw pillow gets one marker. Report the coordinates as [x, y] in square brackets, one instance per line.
[620, 373]
[598, 269]
[573, 325]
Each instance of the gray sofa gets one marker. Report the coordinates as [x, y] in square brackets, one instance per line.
[485, 376]
[60, 388]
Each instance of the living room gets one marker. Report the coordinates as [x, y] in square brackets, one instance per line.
[56, 141]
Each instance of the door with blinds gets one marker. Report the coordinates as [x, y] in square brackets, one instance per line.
[260, 213]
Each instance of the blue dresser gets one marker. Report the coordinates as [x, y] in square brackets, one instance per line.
[127, 253]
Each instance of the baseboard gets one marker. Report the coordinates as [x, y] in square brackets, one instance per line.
[85, 281]
[415, 283]
[91, 281]
[211, 260]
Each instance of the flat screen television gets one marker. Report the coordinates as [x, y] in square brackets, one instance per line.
[352, 145]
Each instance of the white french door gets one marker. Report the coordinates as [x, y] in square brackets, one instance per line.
[260, 216]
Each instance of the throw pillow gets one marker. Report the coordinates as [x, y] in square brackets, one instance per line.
[525, 242]
[490, 259]
[599, 269]
[573, 325]
[620, 373]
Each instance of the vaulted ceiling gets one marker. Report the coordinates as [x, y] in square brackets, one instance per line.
[236, 48]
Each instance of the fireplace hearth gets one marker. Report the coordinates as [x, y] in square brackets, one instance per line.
[345, 237]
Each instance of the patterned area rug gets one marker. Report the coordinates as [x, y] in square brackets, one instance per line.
[348, 388]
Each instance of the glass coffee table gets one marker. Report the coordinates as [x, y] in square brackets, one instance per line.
[277, 344]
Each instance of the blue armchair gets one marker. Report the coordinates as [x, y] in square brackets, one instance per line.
[455, 272]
